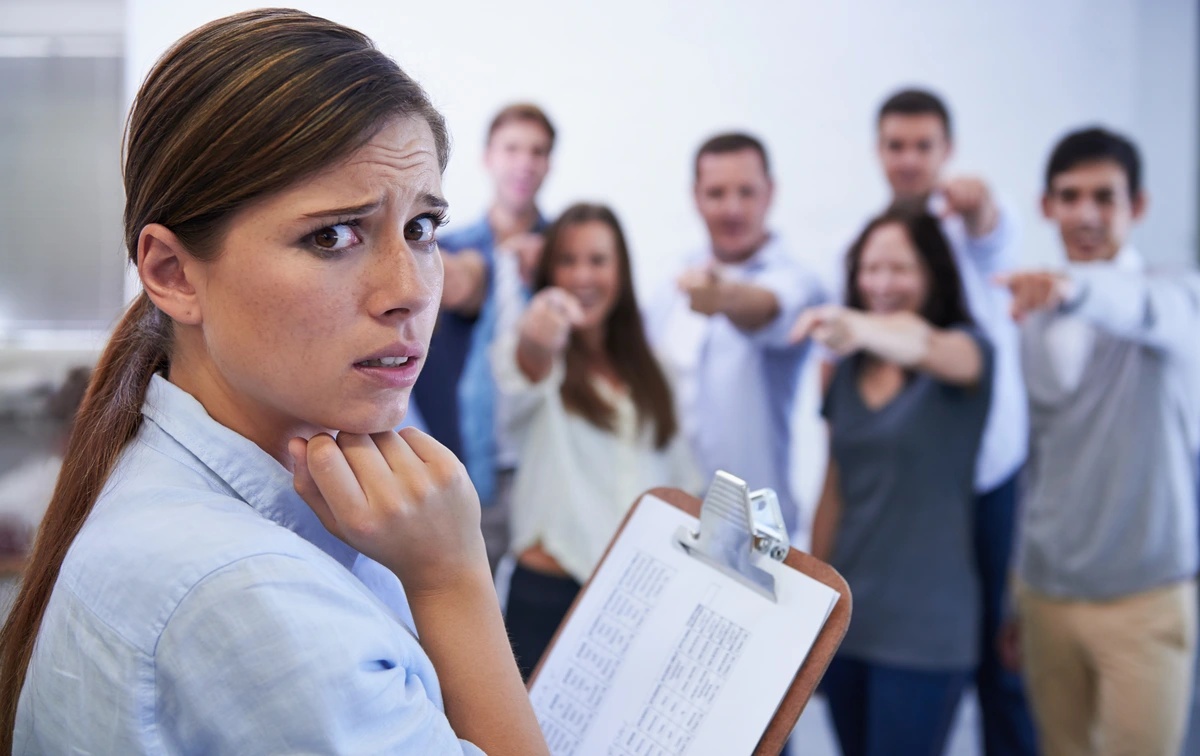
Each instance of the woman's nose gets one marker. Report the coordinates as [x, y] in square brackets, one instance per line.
[404, 281]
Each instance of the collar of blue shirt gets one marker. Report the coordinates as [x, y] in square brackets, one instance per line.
[239, 464]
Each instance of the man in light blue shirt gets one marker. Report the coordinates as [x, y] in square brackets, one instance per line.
[723, 333]
[218, 517]
[915, 144]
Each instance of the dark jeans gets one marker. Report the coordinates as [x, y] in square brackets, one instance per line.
[879, 710]
[1007, 724]
[537, 604]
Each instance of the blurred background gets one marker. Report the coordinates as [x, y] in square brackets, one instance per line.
[633, 87]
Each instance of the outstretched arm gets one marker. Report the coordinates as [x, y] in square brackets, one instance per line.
[543, 331]
[1156, 310]
[747, 306]
[904, 338]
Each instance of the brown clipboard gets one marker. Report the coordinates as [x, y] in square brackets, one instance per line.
[814, 666]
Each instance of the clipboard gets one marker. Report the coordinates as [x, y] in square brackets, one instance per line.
[736, 529]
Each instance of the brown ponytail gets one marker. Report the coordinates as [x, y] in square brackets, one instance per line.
[238, 109]
[109, 416]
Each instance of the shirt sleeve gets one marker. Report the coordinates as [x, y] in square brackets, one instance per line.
[519, 396]
[994, 252]
[1159, 311]
[508, 291]
[796, 289]
[272, 654]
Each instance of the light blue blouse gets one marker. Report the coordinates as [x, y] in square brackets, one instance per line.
[203, 609]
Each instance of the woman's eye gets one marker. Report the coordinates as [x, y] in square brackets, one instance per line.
[420, 229]
[335, 238]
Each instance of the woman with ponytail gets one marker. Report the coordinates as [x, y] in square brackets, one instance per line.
[240, 556]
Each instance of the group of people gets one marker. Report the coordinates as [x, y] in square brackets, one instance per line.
[957, 391]
[242, 556]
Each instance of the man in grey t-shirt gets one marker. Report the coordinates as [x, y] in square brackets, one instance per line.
[1107, 555]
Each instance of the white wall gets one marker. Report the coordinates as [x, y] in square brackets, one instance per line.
[635, 86]
[59, 17]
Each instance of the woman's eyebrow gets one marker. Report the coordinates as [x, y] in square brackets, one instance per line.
[434, 200]
[367, 208]
[363, 209]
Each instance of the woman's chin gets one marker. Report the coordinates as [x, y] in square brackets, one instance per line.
[377, 421]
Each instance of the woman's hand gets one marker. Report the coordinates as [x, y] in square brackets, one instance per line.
[544, 330]
[405, 501]
[402, 499]
[546, 324]
[838, 328]
[904, 338]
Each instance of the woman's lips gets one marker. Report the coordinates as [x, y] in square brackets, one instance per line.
[390, 372]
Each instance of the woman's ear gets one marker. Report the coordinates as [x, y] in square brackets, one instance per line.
[170, 274]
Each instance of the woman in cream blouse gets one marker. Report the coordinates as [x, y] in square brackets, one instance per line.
[592, 412]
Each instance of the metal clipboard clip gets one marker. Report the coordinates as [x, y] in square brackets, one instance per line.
[738, 525]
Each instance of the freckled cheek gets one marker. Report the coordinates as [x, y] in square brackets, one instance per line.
[308, 328]
[435, 276]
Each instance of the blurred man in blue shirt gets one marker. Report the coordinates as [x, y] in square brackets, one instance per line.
[723, 333]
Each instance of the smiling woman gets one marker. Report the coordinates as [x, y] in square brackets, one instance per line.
[906, 406]
[592, 413]
[225, 563]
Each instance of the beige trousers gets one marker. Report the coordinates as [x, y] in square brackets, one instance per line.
[1110, 677]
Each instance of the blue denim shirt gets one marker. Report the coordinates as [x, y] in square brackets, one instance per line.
[203, 609]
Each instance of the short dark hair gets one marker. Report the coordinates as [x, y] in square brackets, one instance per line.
[734, 141]
[946, 304]
[915, 102]
[522, 111]
[1093, 145]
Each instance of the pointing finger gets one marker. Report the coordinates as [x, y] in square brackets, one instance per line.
[806, 324]
[572, 309]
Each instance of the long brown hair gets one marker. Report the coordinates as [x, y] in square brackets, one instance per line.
[625, 341]
[946, 303]
[237, 110]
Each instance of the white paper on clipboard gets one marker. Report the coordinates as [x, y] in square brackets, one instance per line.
[667, 656]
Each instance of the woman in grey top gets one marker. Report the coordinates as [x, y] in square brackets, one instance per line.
[906, 406]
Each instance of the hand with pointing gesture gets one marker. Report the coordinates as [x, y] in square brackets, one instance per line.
[1035, 290]
[545, 329]
[836, 327]
[970, 197]
[703, 289]
[547, 322]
